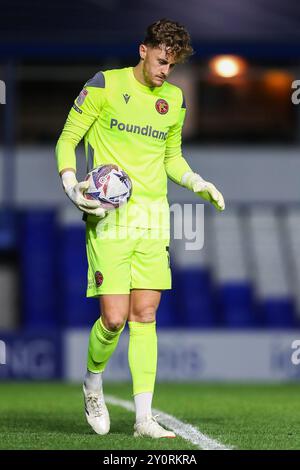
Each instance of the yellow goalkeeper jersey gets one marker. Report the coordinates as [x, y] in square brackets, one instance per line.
[136, 127]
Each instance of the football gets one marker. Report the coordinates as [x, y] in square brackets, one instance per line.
[110, 185]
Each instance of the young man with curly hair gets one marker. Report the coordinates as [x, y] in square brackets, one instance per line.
[131, 117]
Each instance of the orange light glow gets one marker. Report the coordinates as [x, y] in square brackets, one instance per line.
[278, 79]
[227, 66]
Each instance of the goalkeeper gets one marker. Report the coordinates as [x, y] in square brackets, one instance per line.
[131, 117]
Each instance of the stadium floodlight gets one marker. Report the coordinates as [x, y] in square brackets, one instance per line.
[227, 66]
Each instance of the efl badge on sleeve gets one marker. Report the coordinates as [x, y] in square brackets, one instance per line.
[81, 97]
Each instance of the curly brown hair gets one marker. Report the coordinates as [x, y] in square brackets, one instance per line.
[172, 35]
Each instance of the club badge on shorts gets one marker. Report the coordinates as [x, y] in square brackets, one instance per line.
[82, 96]
[98, 278]
[161, 106]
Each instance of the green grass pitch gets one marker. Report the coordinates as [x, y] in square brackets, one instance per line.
[50, 416]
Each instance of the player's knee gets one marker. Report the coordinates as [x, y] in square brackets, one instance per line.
[145, 315]
[113, 323]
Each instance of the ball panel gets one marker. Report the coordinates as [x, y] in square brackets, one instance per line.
[110, 185]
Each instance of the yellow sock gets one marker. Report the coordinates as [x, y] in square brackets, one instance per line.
[102, 344]
[142, 355]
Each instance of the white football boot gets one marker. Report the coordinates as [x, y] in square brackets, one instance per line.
[149, 427]
[96, 412]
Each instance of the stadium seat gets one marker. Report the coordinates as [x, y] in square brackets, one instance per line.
[268, 257]
[38, 249]
[75, 309]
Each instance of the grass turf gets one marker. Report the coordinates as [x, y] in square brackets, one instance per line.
[50, 416]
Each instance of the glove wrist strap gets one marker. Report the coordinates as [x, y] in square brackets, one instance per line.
[69, 180]
[189, 178]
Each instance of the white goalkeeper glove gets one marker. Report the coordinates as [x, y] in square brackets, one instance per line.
[75, 190]
[204, 189]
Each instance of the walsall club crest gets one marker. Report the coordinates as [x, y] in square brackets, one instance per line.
[98, 278]
[161, 106]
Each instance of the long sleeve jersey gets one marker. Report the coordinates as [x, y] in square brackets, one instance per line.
[136, 127]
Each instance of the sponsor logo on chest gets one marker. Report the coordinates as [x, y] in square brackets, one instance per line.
[147, 131]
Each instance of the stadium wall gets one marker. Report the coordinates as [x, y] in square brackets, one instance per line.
[189, 356]
[184, 356]
[244, 174]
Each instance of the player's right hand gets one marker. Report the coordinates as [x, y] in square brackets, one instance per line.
[75, 191]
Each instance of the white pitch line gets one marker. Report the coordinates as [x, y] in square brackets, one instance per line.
[186, 431]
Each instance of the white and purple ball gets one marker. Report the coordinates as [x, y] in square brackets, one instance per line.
[110, 185]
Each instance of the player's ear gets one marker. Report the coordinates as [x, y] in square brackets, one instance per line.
[142, 51]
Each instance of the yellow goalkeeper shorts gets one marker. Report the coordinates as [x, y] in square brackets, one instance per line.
[124, 258]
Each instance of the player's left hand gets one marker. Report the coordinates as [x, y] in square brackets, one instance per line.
[204, 189]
